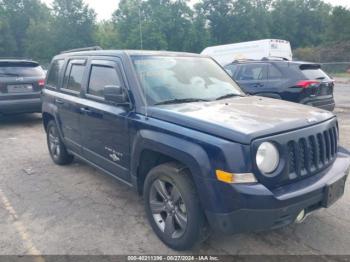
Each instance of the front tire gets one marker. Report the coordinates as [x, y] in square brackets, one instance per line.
[57, 149]
[173, 208]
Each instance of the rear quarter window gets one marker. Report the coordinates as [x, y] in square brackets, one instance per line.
[313, 72]
[54, 73]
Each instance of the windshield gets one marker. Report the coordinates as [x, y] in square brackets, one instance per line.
[183, 79]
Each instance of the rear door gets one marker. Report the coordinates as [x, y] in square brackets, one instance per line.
[68, 102]
[20, 80]
[252, 77]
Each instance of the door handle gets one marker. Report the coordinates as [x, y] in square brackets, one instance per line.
[59, 101]
[85, 110]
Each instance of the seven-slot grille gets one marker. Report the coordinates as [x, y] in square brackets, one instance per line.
[311, 154]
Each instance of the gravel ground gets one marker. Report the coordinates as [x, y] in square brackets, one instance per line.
[74, 210]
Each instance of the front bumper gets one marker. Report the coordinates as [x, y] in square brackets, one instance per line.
[18, 106]
[259, 209]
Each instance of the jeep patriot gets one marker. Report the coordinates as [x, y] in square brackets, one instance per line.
[177, 129]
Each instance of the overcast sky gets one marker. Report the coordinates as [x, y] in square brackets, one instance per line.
[105, 8]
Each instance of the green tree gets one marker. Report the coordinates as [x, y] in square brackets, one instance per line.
[7, 42]
[73, 24]
[302, 22]
[154, 24]
[18, 14]
[106, 35]
[339, 25]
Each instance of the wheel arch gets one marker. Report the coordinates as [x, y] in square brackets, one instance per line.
[152, 148]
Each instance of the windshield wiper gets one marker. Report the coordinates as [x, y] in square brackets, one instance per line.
[227, 96]
[180, 101]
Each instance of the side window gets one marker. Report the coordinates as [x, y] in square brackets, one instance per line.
[54, 73]
[75, 78]
[231, 69]
[274, 73]
[100, 77]
[253, 72]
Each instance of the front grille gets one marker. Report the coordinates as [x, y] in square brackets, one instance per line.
[311, 154]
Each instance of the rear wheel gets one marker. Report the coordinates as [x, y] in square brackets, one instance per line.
[173, 207]
[57, 149]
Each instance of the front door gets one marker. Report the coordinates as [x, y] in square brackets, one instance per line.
[105, 125]
[252, 77]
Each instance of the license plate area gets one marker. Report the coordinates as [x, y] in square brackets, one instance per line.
[23, 88]
[333, 192]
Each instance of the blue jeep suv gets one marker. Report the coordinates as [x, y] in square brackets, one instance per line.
[177, 129]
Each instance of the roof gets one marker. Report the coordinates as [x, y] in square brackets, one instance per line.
[127, 53]
[274, 61]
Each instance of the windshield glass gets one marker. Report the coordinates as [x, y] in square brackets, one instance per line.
[183, 79]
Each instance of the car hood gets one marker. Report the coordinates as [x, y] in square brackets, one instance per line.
[241, 119]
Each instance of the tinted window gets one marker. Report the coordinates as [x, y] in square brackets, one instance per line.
[100, 77]
[9, 69]
[76, 77]
[231, 69]
[252, 72]
[53, 77]
[274, 73]
[314, 74]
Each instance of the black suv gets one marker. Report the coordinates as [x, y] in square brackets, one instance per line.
[300, 82]
[21, 82]
[177, 129]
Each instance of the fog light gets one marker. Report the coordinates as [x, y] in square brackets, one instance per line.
[300, 216]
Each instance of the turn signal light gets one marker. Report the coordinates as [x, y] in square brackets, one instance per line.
[231, 178]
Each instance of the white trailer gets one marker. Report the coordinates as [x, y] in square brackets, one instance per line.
[253, 50]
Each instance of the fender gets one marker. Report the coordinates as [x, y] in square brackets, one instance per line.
[190, 154]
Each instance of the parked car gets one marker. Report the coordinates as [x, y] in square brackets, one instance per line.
[253, 50]
[300, 82]
[177, 129]
[21, 82]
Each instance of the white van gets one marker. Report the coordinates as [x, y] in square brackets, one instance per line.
[253, 50]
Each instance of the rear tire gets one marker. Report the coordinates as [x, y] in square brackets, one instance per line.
[57, 149]
[173, 207]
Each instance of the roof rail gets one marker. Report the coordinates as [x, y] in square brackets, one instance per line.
[274, 58]
[93, 48]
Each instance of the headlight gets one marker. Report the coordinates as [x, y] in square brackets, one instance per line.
[267, 158]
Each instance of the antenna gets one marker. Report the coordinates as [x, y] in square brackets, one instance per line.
[140, 23]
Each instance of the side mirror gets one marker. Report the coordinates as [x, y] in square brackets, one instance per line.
[115, 94]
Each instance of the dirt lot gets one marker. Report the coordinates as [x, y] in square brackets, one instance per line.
[46, 209]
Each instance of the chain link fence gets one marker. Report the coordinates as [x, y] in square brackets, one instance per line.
[340, 69]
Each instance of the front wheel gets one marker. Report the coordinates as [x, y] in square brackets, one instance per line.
[56, 147]
[173, 208]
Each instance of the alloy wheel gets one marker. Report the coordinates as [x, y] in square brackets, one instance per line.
[168, 208]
